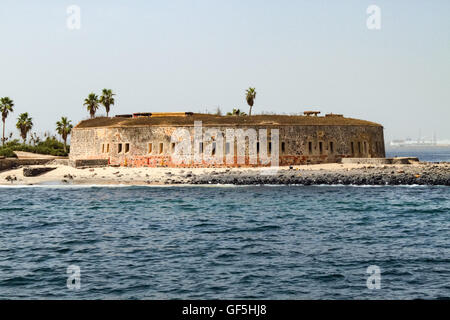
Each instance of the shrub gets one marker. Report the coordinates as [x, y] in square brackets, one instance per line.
[7, 152]
[49, 146]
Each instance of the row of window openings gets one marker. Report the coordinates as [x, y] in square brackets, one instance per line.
[362, 147]
[121, 147]
[125, 147]
[200, 146]
[310, 147]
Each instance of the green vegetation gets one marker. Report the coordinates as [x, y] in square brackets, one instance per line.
[24, 124]
[6, 106]
[7, 152]
[50, 146]
[236, 112]
[92, 104]
[107, 100]
[250, 97]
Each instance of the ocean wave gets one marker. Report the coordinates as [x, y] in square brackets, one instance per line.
[86, 186]
[63, 186]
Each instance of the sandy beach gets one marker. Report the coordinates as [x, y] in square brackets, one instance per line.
[418, 173]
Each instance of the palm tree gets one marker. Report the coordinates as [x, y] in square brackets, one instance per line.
[6, 106]
[91, 103]
[64, 127]
[250, 97]
[107, 99]
[24, 124]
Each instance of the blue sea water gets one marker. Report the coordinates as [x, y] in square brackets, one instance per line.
[254, 242]
[429, 154]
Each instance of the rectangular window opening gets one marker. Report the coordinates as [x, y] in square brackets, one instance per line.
[107, 148]
[227, 148]
[353, 147]
[213, 148]
[119, 148]
[283, 147]
[103, 148]
[150, 147]
[310, 147]
[127, 147]
[161, 147]
[172, 147]
[331, 146]
[359, 147]
[320, 147]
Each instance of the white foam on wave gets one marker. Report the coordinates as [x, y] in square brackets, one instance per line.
[62, 186]
[87, 186]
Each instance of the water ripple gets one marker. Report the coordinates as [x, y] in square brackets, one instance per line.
[251, 242]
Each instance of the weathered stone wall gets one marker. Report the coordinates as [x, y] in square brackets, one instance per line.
[130, 146]
[80, 163]
[9, 163]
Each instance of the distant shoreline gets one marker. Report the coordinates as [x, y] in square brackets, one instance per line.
[421, 147]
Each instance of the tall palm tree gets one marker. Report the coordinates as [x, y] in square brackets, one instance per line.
[250, 97]
[91, 103]
[24, 124]
[107, 99]
[6, 106]
[64, 127]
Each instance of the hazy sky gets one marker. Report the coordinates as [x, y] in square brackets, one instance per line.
[197, 55]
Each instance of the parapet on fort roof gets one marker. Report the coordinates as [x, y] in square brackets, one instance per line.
[188, 118]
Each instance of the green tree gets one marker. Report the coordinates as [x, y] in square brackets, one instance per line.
[236, 112]
[64, 127]
[107, 99]
[91, 103]
[6, 106]
[24, 124]
[250, 97]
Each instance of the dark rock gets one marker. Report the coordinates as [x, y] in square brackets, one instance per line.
[11, 178]
[34, 172]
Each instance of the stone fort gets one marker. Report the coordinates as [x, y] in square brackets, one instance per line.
[145, 139]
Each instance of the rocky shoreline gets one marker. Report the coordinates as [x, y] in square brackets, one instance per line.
[386, 175]
[420, 173]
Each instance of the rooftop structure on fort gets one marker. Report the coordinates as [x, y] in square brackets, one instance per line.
[188, 118]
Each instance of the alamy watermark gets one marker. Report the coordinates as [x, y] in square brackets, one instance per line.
[73, 21]
[231, 146]
[374, 280]
[373, 21]
[74, 278]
